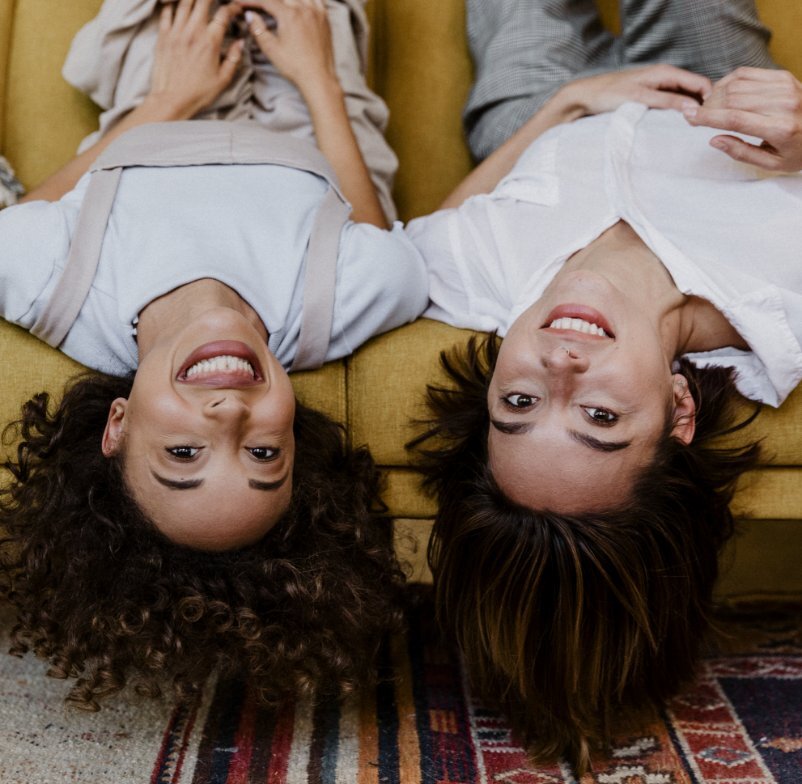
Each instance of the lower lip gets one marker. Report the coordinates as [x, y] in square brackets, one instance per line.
[218, 348]
[583, 312]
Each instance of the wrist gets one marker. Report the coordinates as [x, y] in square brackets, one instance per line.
[163, 107]
[322, 91]
[569, 103]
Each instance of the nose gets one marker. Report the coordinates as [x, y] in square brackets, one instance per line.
[226, 406]
[565, 359]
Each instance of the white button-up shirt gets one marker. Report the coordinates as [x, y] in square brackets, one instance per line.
[726, 231]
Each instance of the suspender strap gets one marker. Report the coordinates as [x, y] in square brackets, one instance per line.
[319, 282]
[73, 287]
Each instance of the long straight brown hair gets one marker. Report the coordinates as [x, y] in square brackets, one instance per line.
[577, 626]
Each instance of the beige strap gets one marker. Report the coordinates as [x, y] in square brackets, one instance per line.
[319, 282]
[73, 287]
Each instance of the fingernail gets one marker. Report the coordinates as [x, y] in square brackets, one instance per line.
[689, 110]
[718, 144]
[250, 16]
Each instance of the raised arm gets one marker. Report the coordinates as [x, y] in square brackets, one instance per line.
[301, 49]
[188, 74]
[657, 86]
[757, 102]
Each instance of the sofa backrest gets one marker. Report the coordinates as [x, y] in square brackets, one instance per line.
[420, 64]
[422, 67]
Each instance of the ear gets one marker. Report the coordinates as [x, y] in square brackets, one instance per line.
[684, 410]
[114, 431]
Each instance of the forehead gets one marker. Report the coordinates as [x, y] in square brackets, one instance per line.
[548, 469]
[223, 512]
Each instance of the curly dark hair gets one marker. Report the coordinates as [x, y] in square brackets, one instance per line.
[577, 626]
[106, 598]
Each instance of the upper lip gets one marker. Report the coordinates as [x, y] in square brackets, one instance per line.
[227, 379]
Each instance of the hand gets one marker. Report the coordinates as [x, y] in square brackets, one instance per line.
[300, 47]
[757, 102]
[188, 70]
[657, 86]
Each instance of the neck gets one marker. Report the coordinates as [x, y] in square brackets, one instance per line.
[686, 323]
[171, 312]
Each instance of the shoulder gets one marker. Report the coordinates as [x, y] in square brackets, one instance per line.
[382, 258]
[35, 241]
[381, 284]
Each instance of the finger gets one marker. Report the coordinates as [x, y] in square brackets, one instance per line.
[678, 79]
[260, 32]
[749, 123]
[182, 12]
[165, 20]
[740, 150]
[230, 63]
[662, 99]
[757, 74]
[760, 101]
[200, 12]
[220, 22]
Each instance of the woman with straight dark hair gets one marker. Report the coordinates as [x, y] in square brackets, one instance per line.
[179, 511]
[643, 274]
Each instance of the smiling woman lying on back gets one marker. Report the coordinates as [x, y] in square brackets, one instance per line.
[183, 512]
[640, 279]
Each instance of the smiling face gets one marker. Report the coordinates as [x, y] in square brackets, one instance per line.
[579, 397]
[206, 435]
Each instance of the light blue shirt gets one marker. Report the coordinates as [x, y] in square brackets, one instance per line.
[246, 226]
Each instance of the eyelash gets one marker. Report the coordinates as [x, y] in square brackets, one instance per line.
[273, 453]
[609, 417]
[175, 451]
[507, 401]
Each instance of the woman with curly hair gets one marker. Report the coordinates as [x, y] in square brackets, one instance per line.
[583, 492]
[181, 511]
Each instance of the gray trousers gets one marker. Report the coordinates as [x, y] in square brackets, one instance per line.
[524, 50]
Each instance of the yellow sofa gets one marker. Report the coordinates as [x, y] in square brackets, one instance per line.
[420, 64]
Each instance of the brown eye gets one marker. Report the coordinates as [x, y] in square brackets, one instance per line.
[183, 452]
[263, 454]
[600, 416]
[517, 400]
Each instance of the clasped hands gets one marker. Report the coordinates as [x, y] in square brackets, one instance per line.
[758, 102]
[191, 67]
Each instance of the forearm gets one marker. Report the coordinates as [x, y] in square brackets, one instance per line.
[55, 186]
[337, 142]
[188, 74]
[560, 108]
[658, 86]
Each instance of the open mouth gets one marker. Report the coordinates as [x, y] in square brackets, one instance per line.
[222, 363]
[579, 318]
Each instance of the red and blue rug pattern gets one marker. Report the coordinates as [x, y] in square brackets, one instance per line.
[739, 723]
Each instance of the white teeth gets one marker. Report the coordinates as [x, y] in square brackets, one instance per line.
[218, 364]
[578, 325]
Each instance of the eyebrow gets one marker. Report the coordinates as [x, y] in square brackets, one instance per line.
[191, 484]
[519, 428]
[267, 486]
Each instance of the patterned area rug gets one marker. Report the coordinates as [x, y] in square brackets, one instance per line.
[740, 723]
